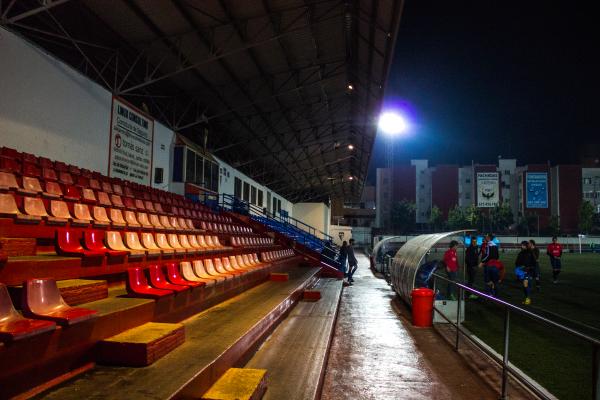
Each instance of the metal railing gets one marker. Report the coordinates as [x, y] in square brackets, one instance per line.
[504, 361]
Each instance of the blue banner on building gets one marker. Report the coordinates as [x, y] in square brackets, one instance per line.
[537, 189]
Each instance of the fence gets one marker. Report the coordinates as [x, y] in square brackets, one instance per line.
[510, 309]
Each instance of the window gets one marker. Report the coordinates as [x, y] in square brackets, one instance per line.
[246, 191]
[274, 205]
[468, 180]
[199, 171]
[269, 201]
[279, 206]
[260, 198]
[237, 187]
[506, 172]
[587, 181]
[252, 195]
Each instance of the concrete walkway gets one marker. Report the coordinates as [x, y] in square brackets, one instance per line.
[376, 354]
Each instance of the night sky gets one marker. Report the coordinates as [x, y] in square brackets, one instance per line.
[482, 79]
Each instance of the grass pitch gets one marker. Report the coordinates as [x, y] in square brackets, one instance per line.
[558, 361]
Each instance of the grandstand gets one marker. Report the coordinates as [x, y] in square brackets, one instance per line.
[151, 158]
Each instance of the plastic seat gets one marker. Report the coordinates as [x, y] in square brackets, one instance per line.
[184, 242]
[49, 174]
[42, 299]
[154, 221]
[72, 193]
[200, 272]
[210, 269]
[117, 201]
[194, 243]
[143, 220]
[174, 222]
[187, 272]
[150, 244]
[129, 203]
[10, 165]
[83, 181]
[117, 189]
[174, 276]
[158, 280]
[216, 242]
[8, 181]
[149, 206]
[31, 185]
[220, 268]
[228, 267]
[132, 241]
[173, 241]
[9, 152]
[13, 326]
[89, 196]
[202, 242]
[31, 170]
[103, 199]
[139, 204]
[65, 178]
[114, 241]
[130, 218]
[158, 208]
[74, 170]
[60, 210]
[163, 242]
[94, 184]
[128, 192]
[34, 207]
[68, 243]
[116, 217]
[100, 216]
[137, 285]
[53, 189]
[82, 212]
[94, 241]
[106, 187]
[60, 166]
[164, 221]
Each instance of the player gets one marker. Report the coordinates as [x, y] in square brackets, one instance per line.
[451, 262]
[489, 261]
[537, 274]
[525, 269]
[554, 251]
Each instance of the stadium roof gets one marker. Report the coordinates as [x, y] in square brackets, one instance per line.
[280, 87]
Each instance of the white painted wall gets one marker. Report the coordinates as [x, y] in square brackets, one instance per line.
[48, 109]
[317, 215]
[51, 110]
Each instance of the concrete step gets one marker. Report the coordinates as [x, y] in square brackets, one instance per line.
[296, 353]
[239, 384]
[142, 345]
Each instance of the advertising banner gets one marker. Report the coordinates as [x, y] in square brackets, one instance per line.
[131, 136]
[536, 185]
[488, 189]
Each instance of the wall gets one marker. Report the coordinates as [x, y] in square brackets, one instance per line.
[444, 188]
[316, 215]
[335, 232]
[422, 188]
[48, 109]
[569, 196]
[51, 110]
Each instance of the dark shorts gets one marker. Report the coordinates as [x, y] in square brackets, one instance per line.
[555, 263]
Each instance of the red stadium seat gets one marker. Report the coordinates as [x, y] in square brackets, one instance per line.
[9, 152]
[13, 326]
[137, 285]
[175, 278]
[94, 184]
[10, 165]
[103, 199]
[94, 241]
[53, 189]
[8, 181]
[72, 193]
[68, 243]
[106, 187]
[49, 174]
[42, 299]
[89, 196]
[66, 178]
[60, 166]
[29, 158]
[158, 280]
[83, 181]
[31, 170]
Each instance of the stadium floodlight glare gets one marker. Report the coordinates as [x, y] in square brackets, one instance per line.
[392, 123]
[350, 147]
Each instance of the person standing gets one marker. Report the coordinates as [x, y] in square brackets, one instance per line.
[525, 269]
[554, 251]
[451, 262]
[352, 262]
[472, 262]
[537, 274]
[489, 258]
[343, 257]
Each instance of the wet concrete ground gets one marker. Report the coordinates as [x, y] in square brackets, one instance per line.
[376, 354]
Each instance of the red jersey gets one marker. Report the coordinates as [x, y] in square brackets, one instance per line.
[451, 260]
[499, 266]
[554, 250]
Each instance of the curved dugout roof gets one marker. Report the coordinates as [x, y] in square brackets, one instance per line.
[410, 257]
[267, 79]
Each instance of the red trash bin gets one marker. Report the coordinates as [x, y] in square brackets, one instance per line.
[422, 307]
